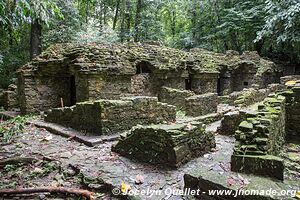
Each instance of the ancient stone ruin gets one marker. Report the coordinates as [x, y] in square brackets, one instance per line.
[170, 145]
[71, 74]
[213, 117]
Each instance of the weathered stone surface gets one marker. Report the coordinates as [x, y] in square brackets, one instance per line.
[265, 165]
[201, 104]
[230, 123]
[169, 145]
[9, 98]
[292, 112]
[77, 73]
[111, 116]
[175, 97]
[260, 137]
[249, 96]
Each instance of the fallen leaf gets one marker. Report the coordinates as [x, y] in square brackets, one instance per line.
[125, 187]
[297, 194]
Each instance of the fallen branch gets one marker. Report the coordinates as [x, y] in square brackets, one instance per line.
[84, 193]
[17, 160]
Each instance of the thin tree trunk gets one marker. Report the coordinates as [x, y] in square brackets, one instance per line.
[258, 46]
[137, 20]
[173, 26]
[194, 19]
[87, 8]
[116, 15]
[35, 39]
[128, 19]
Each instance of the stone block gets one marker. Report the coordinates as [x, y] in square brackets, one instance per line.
[175, 97]
[201, 104]
[267, 165]
[169, 145]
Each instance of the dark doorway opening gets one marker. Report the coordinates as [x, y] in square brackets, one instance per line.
[72, 91]
[188, 83]
[142, 68]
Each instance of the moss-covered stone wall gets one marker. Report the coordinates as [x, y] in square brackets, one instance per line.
[175, 97]
[260, 137]
[112, 116]
[204, 83]
[249, 96]
[9, 98]
[38, 93]
[111, 70]
[170, 145]
[292, 112]
[201, 104]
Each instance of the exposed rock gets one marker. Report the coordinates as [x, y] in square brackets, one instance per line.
[201, 104]
[111, 116]
[169, 145]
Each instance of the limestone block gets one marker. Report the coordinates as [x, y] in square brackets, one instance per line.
[169, 145]
[201, 104]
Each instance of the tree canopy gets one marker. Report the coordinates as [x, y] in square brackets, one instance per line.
[270, 27]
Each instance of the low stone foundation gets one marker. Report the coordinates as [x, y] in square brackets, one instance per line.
[265, 165]
[260, 137]
[111, 116]
[169, 145]
[201, 104]
[175, 97]
[249, 96]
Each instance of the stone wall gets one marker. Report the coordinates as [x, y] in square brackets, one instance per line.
[41, 93]
[249, 96]
[201, 104]
[243, 76]
[141, 84]
[111, 116]
[175, 97]
[292, 113]
[204, 83]
[170, 145]
[230, 122]
[9, 98]
[285, 79]
[107, 87]
[259, 140]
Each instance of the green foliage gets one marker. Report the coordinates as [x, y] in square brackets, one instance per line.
[12, 127]
[270, 27]
[91, 34]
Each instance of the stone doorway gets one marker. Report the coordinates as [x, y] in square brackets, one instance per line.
[141, 81]
[188, 83]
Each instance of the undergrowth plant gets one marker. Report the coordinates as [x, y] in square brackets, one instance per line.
[12, 127]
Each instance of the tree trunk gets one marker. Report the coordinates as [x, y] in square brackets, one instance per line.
[35, 39]
[137, 20]
[258, 46]
[116, 15]
[173, 26]
[194, 20]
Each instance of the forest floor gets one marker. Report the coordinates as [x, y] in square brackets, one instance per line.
[63, 162]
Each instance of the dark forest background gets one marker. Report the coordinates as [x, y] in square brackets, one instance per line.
[270, 27]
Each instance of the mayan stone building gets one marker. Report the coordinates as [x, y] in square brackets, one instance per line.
[67, 73]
